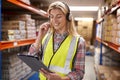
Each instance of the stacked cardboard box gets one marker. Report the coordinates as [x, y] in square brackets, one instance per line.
[104, 73]
[12, 30]
[111, 30]
[108, 28]
[23, 17]
[84, 28]
[29, 24]
[111, 58]
[118, 28]
[113, 2]
[28, 30]
[13, 68]
[109, 3]
[116, 75]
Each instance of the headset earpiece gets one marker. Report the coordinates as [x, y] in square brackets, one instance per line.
[68, 15]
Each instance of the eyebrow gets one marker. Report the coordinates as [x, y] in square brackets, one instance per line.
[57, 14]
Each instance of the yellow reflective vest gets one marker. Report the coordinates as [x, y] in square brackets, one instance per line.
[61, 60]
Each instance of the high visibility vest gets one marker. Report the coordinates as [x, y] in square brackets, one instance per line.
[60, 61]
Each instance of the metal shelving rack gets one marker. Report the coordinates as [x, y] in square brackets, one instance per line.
[98, 40]
[17, 43]
[113, 46]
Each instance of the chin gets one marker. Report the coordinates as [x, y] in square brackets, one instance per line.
[56, 27]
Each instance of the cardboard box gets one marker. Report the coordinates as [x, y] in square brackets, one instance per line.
[22, 17]
[14, 25]
[116, 75]
[104, 72]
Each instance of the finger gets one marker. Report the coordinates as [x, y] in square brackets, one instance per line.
[48, 24]
[43, 27]
[46, 27]
[44, 72]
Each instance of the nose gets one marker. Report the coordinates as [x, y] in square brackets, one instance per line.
[54, 19]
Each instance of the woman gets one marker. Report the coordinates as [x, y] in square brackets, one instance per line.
[62, 49]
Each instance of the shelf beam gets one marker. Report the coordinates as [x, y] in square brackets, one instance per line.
[109, 44]
[29, 7]
[15, 43]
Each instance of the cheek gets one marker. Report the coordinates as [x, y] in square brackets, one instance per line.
[63, 20]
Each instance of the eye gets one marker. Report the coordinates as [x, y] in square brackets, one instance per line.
[59, 16]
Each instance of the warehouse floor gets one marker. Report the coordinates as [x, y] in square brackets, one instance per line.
[89, 68]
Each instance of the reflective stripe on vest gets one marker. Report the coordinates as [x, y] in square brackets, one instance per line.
[45, 42]
[63, 68]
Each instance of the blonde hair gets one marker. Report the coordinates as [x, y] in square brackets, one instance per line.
[70, 24]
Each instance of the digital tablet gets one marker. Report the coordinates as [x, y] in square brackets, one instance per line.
[33, 62]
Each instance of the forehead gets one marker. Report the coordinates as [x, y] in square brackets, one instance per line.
[56, 11]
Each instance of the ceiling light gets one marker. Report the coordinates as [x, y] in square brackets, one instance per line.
[83, 19]
[83, 8]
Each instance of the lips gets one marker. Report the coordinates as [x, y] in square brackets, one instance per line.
[56, 24]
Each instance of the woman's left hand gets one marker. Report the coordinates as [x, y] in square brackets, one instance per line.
[50, 76]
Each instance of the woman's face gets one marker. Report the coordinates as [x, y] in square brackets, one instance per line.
[58, 20]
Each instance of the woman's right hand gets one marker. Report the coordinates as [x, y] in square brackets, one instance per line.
[43, 29]
[42, 32]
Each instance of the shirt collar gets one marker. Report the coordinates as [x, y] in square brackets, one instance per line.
[62, 35]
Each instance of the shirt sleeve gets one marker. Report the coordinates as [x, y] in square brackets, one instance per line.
[33, 50]
[78, 69]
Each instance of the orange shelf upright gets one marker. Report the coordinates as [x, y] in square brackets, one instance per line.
[29, 7]
[0, 46]
[15, 43]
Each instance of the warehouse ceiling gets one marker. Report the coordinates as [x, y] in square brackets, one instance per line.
[43, 4]
[92, 14]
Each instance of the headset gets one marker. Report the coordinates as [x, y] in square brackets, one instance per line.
[68, 15]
